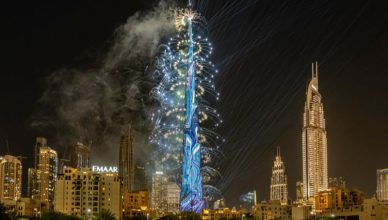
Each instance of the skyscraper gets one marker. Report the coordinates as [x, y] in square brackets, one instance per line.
[382, 185]
[10, 178]
[31, 183]
[159, 192]
[47, 173]
[79, 156]
[126, 160]
[140, 181]
[43, 178]
[314, 142]
[279, 188]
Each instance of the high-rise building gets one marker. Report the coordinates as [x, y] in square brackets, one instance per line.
[10, 178]
[159, 192]
[79, 156]
[279, 188]
[382, 185]
[43, 178]
[314, 142]
[140, 181]
[173, 191]
[126, 160]
[85, 193]
[31, 183]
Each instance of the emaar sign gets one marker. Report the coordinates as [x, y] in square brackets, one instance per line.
[104, 169]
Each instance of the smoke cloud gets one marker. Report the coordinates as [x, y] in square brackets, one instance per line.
[95, 105]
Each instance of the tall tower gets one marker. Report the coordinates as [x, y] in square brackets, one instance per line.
[191, 193]
[278, 188]
[184, 120]
[126, 160]
[314, 142]
[10, 178]
[46, 174]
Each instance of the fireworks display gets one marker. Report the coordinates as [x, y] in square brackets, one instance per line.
[184, 121]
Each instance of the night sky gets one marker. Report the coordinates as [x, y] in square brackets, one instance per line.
[263, 51]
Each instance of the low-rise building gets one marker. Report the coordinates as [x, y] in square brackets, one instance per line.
[23, 207]
[135, 204]
[370, 209]
[301, 212]
[271, 210]
[338, 198]
[223, 213]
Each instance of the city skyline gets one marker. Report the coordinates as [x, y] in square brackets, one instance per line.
[351, 77]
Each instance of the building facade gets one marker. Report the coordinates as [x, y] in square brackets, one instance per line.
[337, 198]
[314, 142]
[85, 193]
[126, 160]
[173, 191]
[223, 213]
[299, 192]
[337, 182]
[140, 180]
[279, 188]
[272, 210]
[31, 183]
[159, 193]
[382, 185]
[79, 156]
[46, 175]
[10, 178]
[135, 203]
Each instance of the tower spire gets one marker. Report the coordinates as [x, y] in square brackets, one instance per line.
[314, 69]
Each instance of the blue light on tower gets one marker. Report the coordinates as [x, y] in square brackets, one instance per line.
[186, 77]
[191, 189]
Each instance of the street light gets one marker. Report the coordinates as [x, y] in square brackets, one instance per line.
[89, 211]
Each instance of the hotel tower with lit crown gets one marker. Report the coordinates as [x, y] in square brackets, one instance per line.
[314, 142]
[278, 188]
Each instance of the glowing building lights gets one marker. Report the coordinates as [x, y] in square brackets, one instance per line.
[186, 78]
[314, 142]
